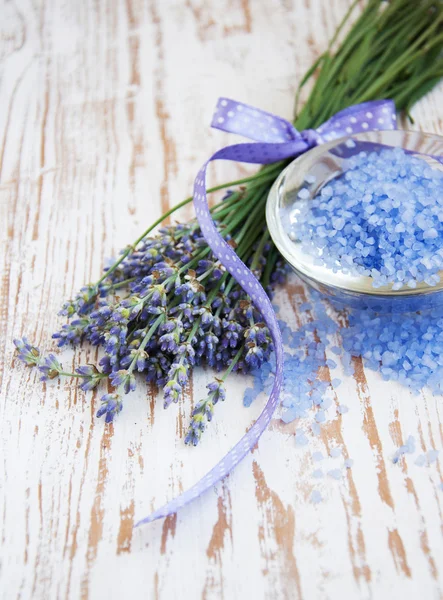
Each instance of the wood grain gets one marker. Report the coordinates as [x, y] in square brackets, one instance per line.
[104, 123]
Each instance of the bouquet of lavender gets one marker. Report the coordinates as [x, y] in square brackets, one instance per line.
[167, 304]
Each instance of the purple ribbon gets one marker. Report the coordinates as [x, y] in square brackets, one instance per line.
[277, 140]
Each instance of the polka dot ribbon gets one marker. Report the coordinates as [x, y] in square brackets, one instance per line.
[276, 139]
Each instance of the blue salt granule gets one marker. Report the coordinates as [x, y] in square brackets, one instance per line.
[335, 474]
[335, 452]
[315, 428]
[300, 438]
[432, 456]
[407, 348]
[420, 461]
[349, 463]
[320, 417]
[335, 382]
[407, 448]
[305, 306]
[317, 456]
[316, 497]
[342, 409]
[383, 218]
[318, 474]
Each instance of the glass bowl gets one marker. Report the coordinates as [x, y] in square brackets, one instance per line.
[310, 172]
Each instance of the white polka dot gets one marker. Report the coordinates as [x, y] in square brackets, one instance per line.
[385, 110]
[365, 125]
[381, 121]
[369, 115]
[230, 113]
[239, 107]
[348, 129]
[224, 103]
[353, 120]
[394, 117]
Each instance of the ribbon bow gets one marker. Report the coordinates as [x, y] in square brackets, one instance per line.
[276, 139]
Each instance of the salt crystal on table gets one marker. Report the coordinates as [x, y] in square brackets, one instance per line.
[420, 460]
[316, 497]
[335, 452]
[432, 456]
[317, 456]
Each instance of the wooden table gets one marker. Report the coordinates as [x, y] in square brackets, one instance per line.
[104, 119]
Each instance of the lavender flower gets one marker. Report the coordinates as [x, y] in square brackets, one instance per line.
[204, 410]
[91, 377]
[28, 354]
[111, 406]
[167, 306]
[50, 367]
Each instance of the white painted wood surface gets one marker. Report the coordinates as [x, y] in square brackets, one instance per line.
[104, 118]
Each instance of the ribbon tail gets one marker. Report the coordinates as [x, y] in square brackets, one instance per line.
[251, 153]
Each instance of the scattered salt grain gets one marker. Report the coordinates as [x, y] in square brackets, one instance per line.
[316, 497]
[335, 452]
[432, 456]
[349, 463]
[300, 438]
[335, 474]
[420, 461]
[317, 456]
[318, 474]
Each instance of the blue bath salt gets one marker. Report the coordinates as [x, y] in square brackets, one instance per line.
[407, 348]
[381, 218]
[420, 461]
[335, 452]
[432, 456]
[317, 456]
[316, 497]
[300, 438]
[315, 428]
[318, 474]
[349, 463]
[407, 448]
[335, 474]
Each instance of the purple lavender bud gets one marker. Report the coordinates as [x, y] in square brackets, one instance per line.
[50, 368]
[28, 354]
[111, 406]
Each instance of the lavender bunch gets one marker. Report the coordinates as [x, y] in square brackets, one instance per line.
[167, 304]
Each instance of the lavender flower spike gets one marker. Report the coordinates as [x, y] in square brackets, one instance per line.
[28, 354]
